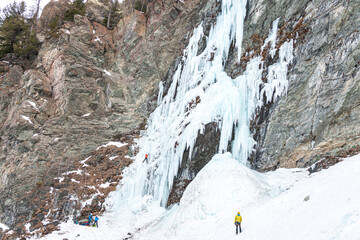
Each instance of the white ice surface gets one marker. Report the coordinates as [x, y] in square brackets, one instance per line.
[272, 205]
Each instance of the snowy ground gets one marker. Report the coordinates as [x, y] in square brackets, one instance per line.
[273, 206]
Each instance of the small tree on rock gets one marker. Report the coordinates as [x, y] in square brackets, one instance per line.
[77, 7]
[53, 27]
[15, 33]
[114, 15]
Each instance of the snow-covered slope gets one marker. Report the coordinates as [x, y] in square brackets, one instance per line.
[284, 204]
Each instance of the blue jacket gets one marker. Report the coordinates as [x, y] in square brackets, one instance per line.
[90, 217]
[96, 219]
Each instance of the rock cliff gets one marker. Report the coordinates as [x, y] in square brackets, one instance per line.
[92, 85]
[319, 115]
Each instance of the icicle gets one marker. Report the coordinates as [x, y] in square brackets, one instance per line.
[195, 98]
[272, 38]
[161, 92]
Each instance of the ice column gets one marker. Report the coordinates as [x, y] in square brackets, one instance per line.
[201, 92]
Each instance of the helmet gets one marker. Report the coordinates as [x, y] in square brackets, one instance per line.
[238, 212]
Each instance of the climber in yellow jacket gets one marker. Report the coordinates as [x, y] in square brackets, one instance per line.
[238, 220]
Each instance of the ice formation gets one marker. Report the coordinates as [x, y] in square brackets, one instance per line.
[201, 92]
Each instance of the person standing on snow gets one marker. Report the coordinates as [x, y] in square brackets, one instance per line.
[238, 220]
[146, 158]
[90, 219]
[96, 221]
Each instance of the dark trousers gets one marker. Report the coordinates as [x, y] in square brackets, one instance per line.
[238, 225]
[96, 223]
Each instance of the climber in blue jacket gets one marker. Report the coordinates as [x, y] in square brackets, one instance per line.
[90, 219]
[96, 222]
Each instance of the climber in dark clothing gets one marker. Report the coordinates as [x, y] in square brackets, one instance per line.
[146, 158]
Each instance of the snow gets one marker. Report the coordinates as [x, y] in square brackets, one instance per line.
[97, 39]
[60, 179]
[105, 185]
[107, 72]
[33, 105]
[79, 172]
[73, 180]
[27, 226]
[116, 144]
[3, 226]
[272, 205]
[89, 201]
[67, 32]
[26, 119]
[83, 161]
[112, 158]
[86, 115]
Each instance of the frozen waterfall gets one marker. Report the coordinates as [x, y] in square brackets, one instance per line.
[201, 92]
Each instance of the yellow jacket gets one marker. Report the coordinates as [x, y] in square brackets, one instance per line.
[238, 218]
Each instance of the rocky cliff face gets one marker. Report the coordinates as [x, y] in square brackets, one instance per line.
[92, 85]
[319, 114]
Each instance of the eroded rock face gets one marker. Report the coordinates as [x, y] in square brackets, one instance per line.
[91, 85]
[320, 112]
[206, 146]
[55, 8]
[97, 10]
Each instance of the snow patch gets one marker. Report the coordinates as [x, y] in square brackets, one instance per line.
[107, 72]
[27, 227]
[33, 105]
[79, 172]
[105, 185]
[26, 119]
[97, 39]
[86, 115]
[60, 179]
[4, 227]
[116, 144]
[83, 161]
